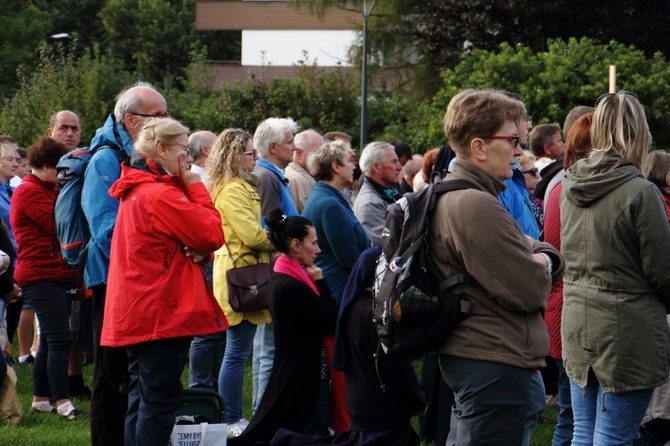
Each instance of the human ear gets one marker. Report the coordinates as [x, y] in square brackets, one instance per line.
[477, 149]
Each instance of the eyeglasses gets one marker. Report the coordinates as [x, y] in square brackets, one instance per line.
[534, 171]
[513, 139]
[185, 147]
[250, 152]
[622, 92]
[155, 115]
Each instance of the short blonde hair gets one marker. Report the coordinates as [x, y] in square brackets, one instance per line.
[155, 130]
[620, 126]
[6, 150]
[526, 157]
[320, 161]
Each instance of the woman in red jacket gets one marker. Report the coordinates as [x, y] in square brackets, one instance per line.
[47, 281]
[157, 296]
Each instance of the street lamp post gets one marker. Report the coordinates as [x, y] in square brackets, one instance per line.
[364, 74]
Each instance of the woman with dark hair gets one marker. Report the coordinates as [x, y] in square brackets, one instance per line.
[615, 240]
[577, 146]
[48, 282]
[304, 314]
[658, 172]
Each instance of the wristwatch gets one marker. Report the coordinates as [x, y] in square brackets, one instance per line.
[550, 266]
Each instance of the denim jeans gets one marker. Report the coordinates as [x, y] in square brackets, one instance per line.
[606, 419]
[205, 361]
[492, 401]
[564, 424]
[264, 354]
[239, 341]
[154, 391]
[51, 304]
[536, 404]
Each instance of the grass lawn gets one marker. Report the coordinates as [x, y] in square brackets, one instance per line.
[37, 429]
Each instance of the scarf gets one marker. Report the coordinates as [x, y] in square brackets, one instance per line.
[339, 415]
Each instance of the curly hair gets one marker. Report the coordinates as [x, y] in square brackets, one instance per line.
[223, 162]
[46, 152]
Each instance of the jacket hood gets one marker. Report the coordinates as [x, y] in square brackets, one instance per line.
[590, 179]
[140, 170]
[112, 134]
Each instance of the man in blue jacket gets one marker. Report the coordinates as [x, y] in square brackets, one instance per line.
[134, 105]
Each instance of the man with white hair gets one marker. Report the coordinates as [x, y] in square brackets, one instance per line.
[134, 105]
[300, 180]
[199, 143]
[381, 171]
[275, 144]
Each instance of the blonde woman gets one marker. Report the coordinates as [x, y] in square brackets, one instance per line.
[615, 240]
[234, 191]
[157, 296]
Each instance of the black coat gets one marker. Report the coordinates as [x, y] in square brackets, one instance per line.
[300, 319]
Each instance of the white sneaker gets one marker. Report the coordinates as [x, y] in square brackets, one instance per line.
[236, 429]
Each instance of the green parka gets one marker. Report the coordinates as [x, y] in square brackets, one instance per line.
[616, 244]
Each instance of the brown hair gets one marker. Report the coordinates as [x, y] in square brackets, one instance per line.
[477, 114]
[578, 143]
[46, 152]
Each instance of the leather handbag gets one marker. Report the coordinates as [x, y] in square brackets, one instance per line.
[248, 286]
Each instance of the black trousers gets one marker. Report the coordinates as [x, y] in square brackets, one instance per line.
[109, 401]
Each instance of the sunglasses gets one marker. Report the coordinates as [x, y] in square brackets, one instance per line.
[621, 92]
[534, 171]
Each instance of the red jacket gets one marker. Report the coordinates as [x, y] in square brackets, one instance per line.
[32, 218]
[552, 235]
[154, 291]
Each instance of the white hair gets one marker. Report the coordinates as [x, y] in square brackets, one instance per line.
[129, 100]
[272, 130]
[375, 152]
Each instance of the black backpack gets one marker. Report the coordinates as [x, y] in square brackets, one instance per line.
[413, 309]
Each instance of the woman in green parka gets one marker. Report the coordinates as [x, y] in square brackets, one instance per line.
[615, 240]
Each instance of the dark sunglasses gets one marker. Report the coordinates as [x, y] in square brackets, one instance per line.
[622, 92]
[534, 171]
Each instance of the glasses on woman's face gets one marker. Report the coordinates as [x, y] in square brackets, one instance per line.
[513, 139]
[622, 92]
[250, 152]
[534, 171]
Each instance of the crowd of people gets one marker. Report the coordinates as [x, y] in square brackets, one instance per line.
[568, 262]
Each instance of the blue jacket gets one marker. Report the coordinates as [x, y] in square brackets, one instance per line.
[274, 190]
[6, 192]
[516, 200]
[101, 209]
[340, 236]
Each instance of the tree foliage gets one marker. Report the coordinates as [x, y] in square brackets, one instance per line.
[21, 27]
[87, 85]
[551, 82]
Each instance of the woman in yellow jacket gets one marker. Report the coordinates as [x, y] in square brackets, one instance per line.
[233, 189]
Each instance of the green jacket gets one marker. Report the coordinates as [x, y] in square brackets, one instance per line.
[616, 244]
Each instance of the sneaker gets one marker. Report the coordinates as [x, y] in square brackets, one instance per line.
[75, 414]
[28, 359]
[42, 406]
[236, 429]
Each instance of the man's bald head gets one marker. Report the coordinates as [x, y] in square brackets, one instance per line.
[137, 104]
[65, 127]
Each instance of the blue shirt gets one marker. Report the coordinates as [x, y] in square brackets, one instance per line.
[516, 200]
[274, 190]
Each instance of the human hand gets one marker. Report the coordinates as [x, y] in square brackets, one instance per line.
[13, 295]
[314, 273]
[196, 255]
[188, 176]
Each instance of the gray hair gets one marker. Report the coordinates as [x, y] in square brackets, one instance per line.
[129, 100]
[375, 152]
[197, 141]
[272, 130]
[303, 141]
[411, 167]
[320, 161]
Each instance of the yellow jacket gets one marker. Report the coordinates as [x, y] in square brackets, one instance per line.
[240, 207]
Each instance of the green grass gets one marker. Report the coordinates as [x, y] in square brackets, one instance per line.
[42, 429]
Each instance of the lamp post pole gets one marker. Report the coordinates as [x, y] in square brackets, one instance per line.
[364, 74]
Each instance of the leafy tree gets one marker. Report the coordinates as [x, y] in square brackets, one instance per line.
[87, 86]
[551, 82]
[22, 28]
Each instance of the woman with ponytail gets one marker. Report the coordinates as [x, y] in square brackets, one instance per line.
[304, 314]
